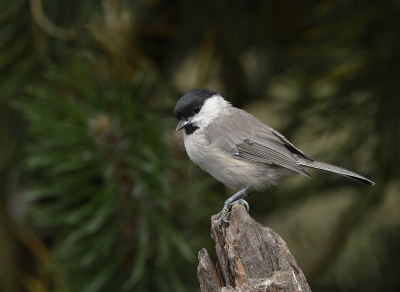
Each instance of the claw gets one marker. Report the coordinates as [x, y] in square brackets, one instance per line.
[222, 218]
[241, 201]
[228, 204]
[219, 224]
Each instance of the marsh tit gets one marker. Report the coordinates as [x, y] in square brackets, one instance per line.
[238, 150]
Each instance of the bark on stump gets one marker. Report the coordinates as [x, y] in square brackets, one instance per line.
[251, 257]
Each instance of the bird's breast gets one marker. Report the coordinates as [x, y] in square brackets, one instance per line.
[196, 147]
[226, 168]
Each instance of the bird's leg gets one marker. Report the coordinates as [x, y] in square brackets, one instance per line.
[230, 202]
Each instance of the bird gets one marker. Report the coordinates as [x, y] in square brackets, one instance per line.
[240, 151]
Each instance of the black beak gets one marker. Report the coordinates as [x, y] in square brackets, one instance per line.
[182, 123]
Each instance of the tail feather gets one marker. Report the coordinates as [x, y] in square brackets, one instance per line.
[334, 169]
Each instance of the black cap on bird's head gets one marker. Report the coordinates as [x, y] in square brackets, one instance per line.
[190, 104]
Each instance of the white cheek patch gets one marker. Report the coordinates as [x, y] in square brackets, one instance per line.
[211, 109]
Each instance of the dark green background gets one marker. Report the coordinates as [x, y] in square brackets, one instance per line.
[96, 190]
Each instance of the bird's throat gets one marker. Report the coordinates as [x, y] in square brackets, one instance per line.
[190, 129]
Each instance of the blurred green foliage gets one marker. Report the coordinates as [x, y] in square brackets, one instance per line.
[97, 192]
[103, 180]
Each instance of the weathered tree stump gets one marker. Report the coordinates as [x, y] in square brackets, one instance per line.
[251, 257]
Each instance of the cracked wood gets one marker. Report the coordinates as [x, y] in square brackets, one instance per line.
[250, 257]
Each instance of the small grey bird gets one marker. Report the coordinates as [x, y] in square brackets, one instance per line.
[238, 150]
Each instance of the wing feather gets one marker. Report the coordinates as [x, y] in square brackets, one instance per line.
[245, 137]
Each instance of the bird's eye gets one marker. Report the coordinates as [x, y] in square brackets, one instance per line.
[196, 109]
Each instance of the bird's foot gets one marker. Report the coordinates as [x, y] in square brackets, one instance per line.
[226, 209]
[224, 212]
[243, 202]
[228, 204]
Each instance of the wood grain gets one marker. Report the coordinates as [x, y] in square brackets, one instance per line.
[250, 257]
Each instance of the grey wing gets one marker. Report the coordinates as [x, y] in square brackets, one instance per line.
[245, 137]
[289, 145]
